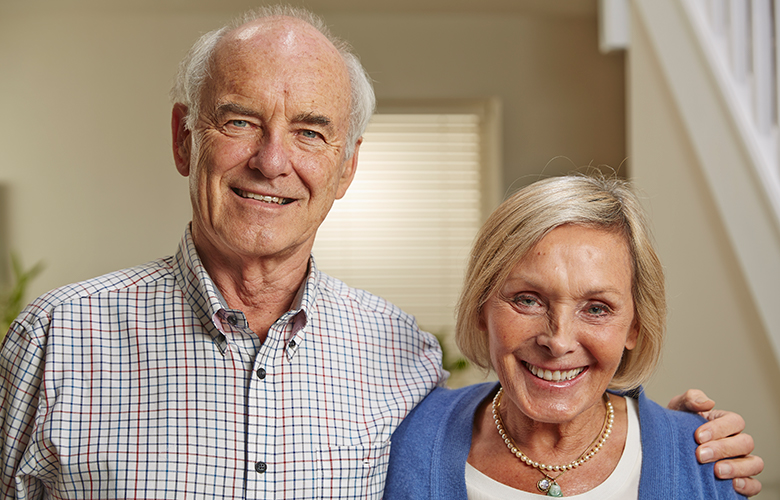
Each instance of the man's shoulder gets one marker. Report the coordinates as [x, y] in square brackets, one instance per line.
[133, 277]
[337, 291]
[442, 400]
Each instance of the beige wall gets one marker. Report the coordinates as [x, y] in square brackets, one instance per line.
[86, 162]
[86, 158]
[715, 340]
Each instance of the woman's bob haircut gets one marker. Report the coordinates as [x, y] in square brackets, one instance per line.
[527, 217]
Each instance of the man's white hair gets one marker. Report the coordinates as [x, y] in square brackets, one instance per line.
[194, 70]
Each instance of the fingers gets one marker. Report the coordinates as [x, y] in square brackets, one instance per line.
[721, 438]
[692, 401]
[738, 469]
[747, 486]
[722, 424]
[741, 467]
[734, 446]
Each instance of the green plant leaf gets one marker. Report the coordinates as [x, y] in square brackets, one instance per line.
[12, 302]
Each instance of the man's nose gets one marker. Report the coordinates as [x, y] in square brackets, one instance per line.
[272, 157]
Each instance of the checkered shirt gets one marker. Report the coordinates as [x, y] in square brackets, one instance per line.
[142, 384]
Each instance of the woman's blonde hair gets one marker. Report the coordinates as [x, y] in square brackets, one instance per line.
[530, 214]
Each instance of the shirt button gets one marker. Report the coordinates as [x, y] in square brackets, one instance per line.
[261, 467]
[261, 373]
[232, 320]
[292, 344]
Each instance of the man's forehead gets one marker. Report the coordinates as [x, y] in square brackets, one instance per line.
[282, 44]
[279, 33]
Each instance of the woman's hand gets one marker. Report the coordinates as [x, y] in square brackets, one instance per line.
[721, 438]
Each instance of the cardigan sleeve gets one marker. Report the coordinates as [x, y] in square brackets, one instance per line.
[669, 466]
[429, 449]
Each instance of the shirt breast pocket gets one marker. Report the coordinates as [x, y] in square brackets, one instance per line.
[353, 471]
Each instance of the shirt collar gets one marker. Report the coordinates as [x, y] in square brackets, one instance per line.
[302, 310]
[207, 302]
[198, 289]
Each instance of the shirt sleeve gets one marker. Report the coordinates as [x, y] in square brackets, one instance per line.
[21, 374]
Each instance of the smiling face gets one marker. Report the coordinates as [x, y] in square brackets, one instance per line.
[558, 326]
[267, 158]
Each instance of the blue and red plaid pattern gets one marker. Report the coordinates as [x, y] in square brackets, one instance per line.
[142, 384]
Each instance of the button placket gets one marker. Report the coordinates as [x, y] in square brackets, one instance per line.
[263, 435]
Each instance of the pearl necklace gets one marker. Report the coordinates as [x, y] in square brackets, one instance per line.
[547, 484]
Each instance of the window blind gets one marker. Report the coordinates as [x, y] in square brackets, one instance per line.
[404, 229]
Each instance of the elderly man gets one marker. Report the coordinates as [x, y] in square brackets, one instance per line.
[235, 368]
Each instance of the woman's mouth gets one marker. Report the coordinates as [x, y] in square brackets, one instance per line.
[553, 376]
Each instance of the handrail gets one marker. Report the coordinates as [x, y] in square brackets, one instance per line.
[741, 41]
[739, 164]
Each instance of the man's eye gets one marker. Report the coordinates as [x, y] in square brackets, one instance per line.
[239, 123]
[310, 134]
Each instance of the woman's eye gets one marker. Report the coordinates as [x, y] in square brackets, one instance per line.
[239, 123]
[525, 301]
[597, 310]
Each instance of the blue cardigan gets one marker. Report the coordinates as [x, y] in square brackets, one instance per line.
[430, 447]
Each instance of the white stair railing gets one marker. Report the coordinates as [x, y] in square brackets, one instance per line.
[719, 58]
[740, 39]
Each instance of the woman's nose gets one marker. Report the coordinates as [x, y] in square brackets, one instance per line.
[560, 335]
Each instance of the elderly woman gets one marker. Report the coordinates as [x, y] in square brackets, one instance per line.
[564, 300]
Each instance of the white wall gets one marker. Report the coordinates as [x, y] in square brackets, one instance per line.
[86, 158]
[716, 341]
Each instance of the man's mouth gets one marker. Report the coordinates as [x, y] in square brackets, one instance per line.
[263, 198]
[554, 376]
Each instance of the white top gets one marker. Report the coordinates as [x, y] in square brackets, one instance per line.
[622, 484]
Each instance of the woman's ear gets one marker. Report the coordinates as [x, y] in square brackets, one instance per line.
[633, 335]
[481, 323]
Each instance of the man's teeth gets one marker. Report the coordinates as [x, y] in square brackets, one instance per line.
[267, 199]
[556, 376]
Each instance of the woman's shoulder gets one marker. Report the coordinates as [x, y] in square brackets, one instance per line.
[443, 408]
[669, 465]
[429, 449]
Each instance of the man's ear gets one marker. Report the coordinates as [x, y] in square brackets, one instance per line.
[348, 171]
[182, 139]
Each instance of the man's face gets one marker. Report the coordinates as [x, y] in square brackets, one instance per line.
[266, 159]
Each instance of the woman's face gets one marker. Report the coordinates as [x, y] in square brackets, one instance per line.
[558, 325]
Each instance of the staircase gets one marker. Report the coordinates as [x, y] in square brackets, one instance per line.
[720, 58]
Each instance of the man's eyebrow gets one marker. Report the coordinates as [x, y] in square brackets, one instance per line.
[309, 118]
[313, 119]
[234, 108]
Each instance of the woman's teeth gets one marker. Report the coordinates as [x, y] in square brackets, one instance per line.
[556, 376]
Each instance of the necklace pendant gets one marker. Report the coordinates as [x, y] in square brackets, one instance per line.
[554, 490]
[544, 484]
